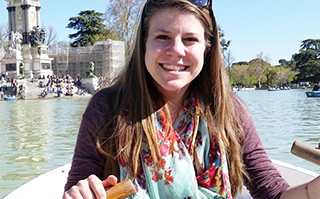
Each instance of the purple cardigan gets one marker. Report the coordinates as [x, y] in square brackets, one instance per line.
[266, 181]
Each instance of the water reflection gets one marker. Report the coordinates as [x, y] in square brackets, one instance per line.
[36, 136]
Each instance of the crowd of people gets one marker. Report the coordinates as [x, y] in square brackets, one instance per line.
[64, 84]
[57, 84]
[4, 81]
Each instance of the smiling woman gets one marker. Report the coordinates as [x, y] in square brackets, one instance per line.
[170, 122]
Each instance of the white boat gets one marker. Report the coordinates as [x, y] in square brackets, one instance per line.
[50, 185]
[294, 176]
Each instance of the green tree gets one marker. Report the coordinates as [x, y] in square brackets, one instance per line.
[90, 27]
[307, 61]
[283, 75]
[311, 44]
[288, 64]
[304, 56]
[240, 77]
[258, 67]
[272, 76]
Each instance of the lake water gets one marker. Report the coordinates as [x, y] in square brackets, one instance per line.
[39, 135]
[281, 117]
[36, 136]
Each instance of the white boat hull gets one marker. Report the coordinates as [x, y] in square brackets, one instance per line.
[293, 175]
[51, 185]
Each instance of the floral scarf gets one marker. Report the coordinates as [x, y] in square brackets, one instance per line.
[192, 164]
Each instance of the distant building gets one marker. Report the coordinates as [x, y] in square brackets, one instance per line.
[108, 57]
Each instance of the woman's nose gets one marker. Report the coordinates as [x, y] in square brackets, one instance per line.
[176, 48]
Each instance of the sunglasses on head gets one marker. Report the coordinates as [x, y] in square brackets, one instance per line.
[200, 3]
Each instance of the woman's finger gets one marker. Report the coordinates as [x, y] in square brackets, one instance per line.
[66, 195]
[97, 188]
[84, 189]
[89, 188]
[110, 181]
[72, 193]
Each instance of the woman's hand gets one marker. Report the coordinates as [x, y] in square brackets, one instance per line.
[90, 188]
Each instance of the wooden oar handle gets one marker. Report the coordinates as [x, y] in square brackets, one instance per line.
[121, 190]
[306, 152]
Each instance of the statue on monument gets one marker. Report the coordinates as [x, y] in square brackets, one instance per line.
[15, 39]
[21, 71]
[37, 36]
[89, 73]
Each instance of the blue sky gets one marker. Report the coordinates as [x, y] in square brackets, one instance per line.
[274, 27]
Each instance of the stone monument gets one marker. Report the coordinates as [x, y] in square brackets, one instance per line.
[26, 41]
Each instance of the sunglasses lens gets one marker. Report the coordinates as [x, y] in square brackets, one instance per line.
[201, 3]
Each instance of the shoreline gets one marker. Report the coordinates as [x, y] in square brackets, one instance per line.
[37, 91]
[55, 97]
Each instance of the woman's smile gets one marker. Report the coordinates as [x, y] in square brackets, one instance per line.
[175, 68]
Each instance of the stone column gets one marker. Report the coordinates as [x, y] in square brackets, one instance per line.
[25, 23]
[24, 32]
[38, 15]
[14, 22]
[28, 25]
[10, 19]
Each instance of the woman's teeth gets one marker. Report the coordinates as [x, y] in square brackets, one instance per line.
[174, 67]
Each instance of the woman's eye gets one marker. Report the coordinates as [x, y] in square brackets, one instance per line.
[193, 39]
[162, 37]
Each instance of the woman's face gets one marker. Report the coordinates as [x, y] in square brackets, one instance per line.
[175, 50]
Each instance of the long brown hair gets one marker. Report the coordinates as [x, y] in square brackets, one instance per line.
[131, 119]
